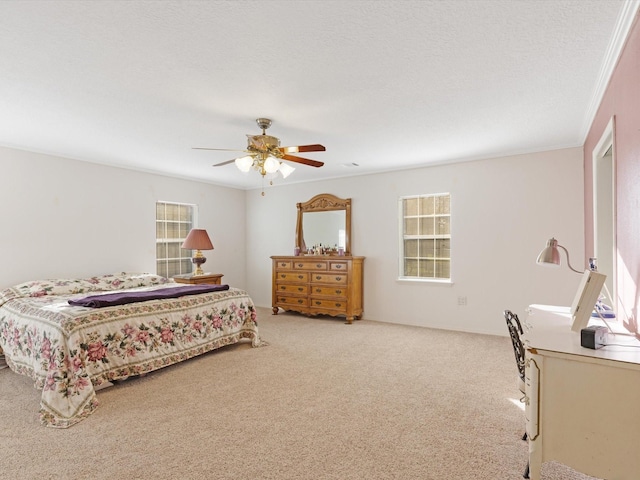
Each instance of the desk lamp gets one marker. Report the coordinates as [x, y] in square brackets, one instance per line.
[198, 240]
[551, 256]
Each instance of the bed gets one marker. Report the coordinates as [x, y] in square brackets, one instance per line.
[70, 351]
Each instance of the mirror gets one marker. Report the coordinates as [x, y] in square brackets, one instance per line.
[326, 220]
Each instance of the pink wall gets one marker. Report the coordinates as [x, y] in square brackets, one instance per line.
[622, 101]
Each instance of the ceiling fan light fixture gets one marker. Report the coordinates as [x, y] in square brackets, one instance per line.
[264, 154]
[244, 163]
[286, 170]
[271, 164]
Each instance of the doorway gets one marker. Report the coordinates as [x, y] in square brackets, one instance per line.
[604, 209]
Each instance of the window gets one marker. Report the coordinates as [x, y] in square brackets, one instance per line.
[173, 223]
[425, 251]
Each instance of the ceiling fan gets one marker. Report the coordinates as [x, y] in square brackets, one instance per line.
[264, 153]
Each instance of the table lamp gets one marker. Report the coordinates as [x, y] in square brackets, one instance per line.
[198, 240]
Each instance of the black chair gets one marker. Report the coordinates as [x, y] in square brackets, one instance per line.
[515, 330]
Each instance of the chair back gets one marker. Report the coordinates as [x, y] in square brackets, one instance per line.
[515, 330]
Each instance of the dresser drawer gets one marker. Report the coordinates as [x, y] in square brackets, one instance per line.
[298, 277]
[329, 278]
[291, 300]
[328, 304]
[293, 288]
[329, 291]
[283, 265]
[338, 266]
[310, 266]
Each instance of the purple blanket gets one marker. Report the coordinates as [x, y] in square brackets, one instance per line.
[121, 298]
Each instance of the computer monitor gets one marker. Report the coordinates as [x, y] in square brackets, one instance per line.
[586, 298]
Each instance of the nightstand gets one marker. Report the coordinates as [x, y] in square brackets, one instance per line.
[212, 278]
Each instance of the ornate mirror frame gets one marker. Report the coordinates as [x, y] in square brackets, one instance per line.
[324, 202]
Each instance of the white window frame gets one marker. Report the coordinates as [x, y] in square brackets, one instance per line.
[183, 265]
[435, 236]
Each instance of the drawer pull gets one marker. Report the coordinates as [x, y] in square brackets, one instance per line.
[300, 289]
[318, 277]
[300, 301]
[283, 264]
[318, 290]
[282, 287]
[338, 292]
[318, 303]
[318, 265]
[282, 275]
[338, 279]
[338, 267]
[300, 265]
[300, 277]
[338, 304]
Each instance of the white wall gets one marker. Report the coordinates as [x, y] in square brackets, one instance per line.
[66, 218]
[503, 212]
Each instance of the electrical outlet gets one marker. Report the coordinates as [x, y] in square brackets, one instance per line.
[462, 301]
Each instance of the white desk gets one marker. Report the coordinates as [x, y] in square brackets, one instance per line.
[582, 405]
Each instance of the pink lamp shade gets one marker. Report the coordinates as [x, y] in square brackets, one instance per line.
[198, 240]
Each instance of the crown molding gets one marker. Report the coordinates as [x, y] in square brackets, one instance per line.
[623, 25]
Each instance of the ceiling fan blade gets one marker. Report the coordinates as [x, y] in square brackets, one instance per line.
[219, 149]
[224, 163]
[305, 161]
[303, 148]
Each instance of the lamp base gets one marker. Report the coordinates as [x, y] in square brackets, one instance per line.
[198, 261]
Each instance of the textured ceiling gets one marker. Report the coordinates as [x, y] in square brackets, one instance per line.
[383, 84]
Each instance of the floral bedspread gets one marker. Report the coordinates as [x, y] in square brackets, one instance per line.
[69, 350]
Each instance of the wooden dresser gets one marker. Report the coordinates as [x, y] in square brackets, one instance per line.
[312, 285]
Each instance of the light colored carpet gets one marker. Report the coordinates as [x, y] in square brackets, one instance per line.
[324, 400]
